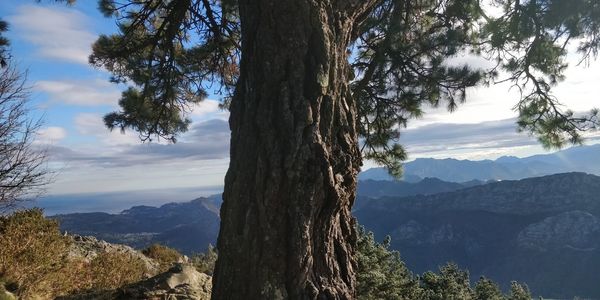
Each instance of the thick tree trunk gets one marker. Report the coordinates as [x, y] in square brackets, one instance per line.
[286, 228]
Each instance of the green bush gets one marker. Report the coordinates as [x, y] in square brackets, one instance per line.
[164, 255]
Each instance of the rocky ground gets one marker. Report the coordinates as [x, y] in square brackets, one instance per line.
[182, 281]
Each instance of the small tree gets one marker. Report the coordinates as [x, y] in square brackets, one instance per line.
[22, 169]
[519, 291]
[487, 289]
[164, 255]
[381, 274]
[22, 165]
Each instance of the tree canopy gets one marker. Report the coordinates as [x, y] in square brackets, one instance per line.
[172, 52]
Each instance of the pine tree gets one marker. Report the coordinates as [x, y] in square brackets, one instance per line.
[305, 82]
[485, 289]
[380, 273]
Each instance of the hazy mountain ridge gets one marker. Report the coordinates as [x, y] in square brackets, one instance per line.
[371, 190]
[427, 186]
[188, 226]
[575, 159]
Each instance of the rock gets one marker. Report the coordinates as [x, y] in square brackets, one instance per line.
[182, 281]
[88, 247]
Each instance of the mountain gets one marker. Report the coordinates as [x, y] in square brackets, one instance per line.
[427, 186]
[541, 231]
[580, 159]
[369, 190]
[379, 174]
[188, 227]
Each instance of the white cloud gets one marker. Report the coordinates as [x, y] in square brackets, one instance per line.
[50, 135]
[205, 107]
[485, 140]
[579, 92]
[91, 124]
[200, 158]
[59, 33]
[80, 92]
[207, 110]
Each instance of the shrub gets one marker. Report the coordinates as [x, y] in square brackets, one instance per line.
[164, 255]
[111, 270]
[205, 262]
[33, 253]
[34, 261]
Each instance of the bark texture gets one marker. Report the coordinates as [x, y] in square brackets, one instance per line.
[286, 229]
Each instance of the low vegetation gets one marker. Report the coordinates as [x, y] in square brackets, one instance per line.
[164, 255]
[205, 262]
[33, 255]
[35, 261]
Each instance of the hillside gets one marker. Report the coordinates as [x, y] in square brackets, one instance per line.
[538, 230]
[368, 190]
[189, 227]
[575, 159]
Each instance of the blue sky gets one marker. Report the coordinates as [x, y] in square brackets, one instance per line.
[52, 42]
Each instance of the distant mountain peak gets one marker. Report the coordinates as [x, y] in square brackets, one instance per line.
[575, 159]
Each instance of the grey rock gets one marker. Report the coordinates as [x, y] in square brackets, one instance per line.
[89, 247]
[181, 282]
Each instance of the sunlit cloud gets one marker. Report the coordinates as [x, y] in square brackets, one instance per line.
[58, 33]
[80, 92]
[50, 135]
[200, 158]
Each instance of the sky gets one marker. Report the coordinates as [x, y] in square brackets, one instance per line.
[52, 42]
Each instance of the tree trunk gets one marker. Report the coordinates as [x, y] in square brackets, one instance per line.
[286, 228]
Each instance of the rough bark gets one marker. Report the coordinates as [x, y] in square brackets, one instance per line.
[286, 228]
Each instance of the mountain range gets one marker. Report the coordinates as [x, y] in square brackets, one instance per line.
[189, 226]
[544, 231]
[575, 159]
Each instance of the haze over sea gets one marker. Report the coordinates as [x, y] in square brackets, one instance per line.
[115, 202]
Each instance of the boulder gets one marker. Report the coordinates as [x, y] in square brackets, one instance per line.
[182, 281]
[88, 247]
